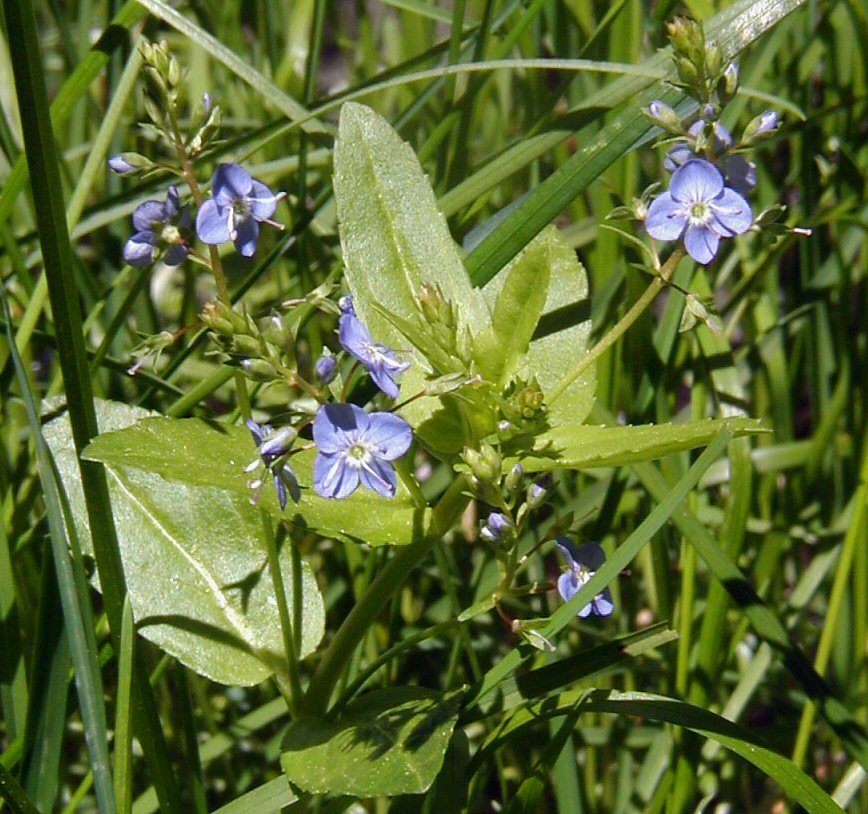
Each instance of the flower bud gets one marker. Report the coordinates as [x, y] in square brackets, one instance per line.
[484, 463]
[259, 370]
[728, 86]
[687, 71]
[497, 529]
[128, 163]
[664, 116]
[514, 478]
[435, 307]
[246, 345]
[761, 127]
[326, 368]
[535, 496]
[713, 59]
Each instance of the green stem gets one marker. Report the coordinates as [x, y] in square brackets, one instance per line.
[622, 325]
[294, 682]
[354, 627]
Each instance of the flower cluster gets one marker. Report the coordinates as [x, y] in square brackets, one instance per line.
[711, 176]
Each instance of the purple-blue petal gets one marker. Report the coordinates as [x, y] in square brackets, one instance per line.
[246, 236]
[701, 243]
[120, 165]
[568, 585]
[696, 181]
[281, 491]
[732, 212]
[603, 604]
[354, 337]
[665, 220]
[678, 155]
[332, 477]
[175, 255]
[740, 174]
[379, 476]
[384, 379]
[173, 203]
[333, 422]
[262, 201]
[212, 224]
[291, 482]
[231, 183]
[591, 555]
[139, 250]
[147, 214]
[257, 430]
[388, 435]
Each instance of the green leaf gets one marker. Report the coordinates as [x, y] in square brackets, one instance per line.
[585, 445]
[561, 335]
[517, 297]
[385, 743]
[194, 563]
[394, 239]
[208, 453]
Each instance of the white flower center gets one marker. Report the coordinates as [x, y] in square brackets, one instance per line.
[699, 213]
[357, 455]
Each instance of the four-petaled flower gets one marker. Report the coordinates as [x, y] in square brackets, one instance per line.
[582, 563]
[159, 226]
[272, 446]
[239, 205]
[498, 524]
[701, 207]
[357, 447]
[381, 362]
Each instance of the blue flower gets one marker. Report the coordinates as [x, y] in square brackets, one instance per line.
[582, 563]
[159, 229]
[272, 446]
[699, 206]
[381, 362]
[357, 447]
[239, 205]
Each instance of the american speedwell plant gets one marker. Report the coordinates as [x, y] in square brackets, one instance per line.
[390, 407]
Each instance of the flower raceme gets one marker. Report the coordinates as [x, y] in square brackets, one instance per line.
[582, 563]
[159, 228]
[381, 362]
[700, 207]
[355, 447]
[239, 205]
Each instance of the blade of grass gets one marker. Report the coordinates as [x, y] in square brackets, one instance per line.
[123, 742]
[63, 294]
[12, 792]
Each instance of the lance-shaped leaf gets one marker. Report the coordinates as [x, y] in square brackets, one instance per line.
[385, 743]
[209, 453]
[195, 564]
[585, 445]
[394, 239]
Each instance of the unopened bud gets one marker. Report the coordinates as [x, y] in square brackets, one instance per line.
[761, 127]
[326, 368]
[664, 116]
[536, 495]
[713, 60]
[435, 307]
[259, 369]
[484, 463]
[173, 73]
[728, 86]
[514, 478]
[128, 163]
[687, 71]
[246, 345]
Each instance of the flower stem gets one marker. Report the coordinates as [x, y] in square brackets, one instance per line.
[648, 296]
[380, 591]
[286, 626]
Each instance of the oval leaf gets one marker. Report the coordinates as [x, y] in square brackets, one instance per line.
[385, 743]
[196, 567]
